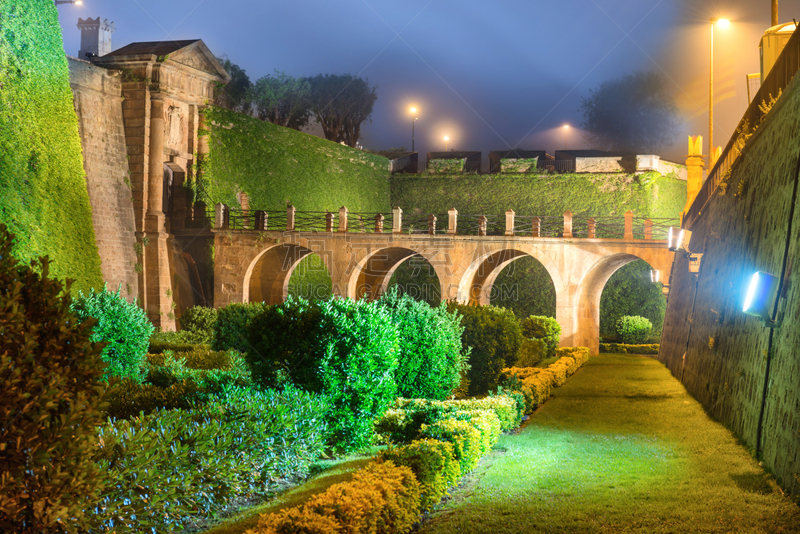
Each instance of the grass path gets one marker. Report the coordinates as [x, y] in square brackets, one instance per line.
[621, 447]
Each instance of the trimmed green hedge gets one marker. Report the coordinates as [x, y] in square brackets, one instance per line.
[276, 165]
[620, 348]
[43, 197]
[536, 383]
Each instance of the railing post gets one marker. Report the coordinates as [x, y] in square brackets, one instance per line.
[628, 225]
[510, 222]
[221, 216]
[342, 219]
[290, 213]
[397, 220]
[432, 224]
[379, 223]
[592, 228]
[261, 220]
[452, 216]
[568, 224]
[482, 225]
[537, 227]
[328, 221]
[648, 229]
[244, 202]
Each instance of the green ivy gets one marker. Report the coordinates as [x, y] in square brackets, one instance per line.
[43, 197]
[591, 195]
[276, 165]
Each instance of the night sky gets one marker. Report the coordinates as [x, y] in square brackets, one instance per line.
[491, 75]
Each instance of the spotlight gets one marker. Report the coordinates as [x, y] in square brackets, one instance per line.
[694, 263]
[655, 276]
[760, 297]
[678, 239]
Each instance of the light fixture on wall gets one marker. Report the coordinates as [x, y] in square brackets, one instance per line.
[76, 2]
[655, 276]
[761, 294]
[694, 263]
[678, 240]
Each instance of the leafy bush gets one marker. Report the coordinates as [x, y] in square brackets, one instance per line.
[430, 357]
[181, 380]
[199, 321]
[180, 341]
[124, 327]
[231, 326]
[531, 352]
[494, 336]
[630, 292]
[403, 421]
[620, 348]
[343, 349]
[52, 401]
[545, 328]
[467, 440]
[228, 448]
[433, 464]
[634, 330]
[381, 498]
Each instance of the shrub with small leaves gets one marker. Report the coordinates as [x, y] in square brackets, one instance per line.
[52, 402]
[199, 321]
[634, 330]
[124, 327]
[545, 328]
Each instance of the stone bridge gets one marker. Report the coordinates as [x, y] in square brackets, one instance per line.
[256, 253]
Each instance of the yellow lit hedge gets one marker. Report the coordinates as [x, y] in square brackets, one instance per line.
[620, 348]
[536, 384]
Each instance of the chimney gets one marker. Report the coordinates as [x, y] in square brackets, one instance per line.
[95, 37]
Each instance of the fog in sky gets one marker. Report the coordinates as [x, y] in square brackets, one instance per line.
[490, 75]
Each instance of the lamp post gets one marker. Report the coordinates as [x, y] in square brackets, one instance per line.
[566, 131]
[446, 139]
[413, 121]
[722, 23]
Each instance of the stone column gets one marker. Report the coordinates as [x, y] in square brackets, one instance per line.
[157, 280]
[694, 171]
[452, 221]
[628, 226]
[568, 224]
[510, 222]
[343, 219]
[397, 220]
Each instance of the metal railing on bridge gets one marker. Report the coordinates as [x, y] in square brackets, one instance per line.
[451, 223]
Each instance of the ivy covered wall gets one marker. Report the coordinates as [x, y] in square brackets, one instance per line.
[276, 165]
[648, 195]
[43, 197]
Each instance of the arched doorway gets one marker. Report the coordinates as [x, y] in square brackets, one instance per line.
[267, 278]
[630, 291]
[416, 277]
[525, 287]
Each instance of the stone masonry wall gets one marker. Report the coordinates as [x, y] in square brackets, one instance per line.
[720, 354]
[98, 103]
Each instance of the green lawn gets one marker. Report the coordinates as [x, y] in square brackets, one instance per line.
[621, 447]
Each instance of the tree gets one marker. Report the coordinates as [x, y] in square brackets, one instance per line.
[634, 114]
[281, 99]
[341, 104]
[234, 96]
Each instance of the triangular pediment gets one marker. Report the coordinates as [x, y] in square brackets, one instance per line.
[198, 56]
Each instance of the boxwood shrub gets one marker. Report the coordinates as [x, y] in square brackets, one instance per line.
[231, 326]
[493, 337]
[634, 330]
[430, 355]
[343, 349]
[544, 328]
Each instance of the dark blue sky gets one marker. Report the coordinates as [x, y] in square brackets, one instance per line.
[491, 75]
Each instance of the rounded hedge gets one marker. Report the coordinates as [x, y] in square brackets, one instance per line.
[545, 328]
[634, 330]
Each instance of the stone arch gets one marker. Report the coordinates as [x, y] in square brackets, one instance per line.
[586, 318]
[371, 277]
[267, 277]
[476, 284]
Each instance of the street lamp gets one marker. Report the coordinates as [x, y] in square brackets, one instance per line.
[566, 131]
[76, 2]
[446, 139]
[413, 121]
[722, 23]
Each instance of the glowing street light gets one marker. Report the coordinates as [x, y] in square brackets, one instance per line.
[722, 23]
[446, 139]
[413, 121]
[76, 2]
[566, 132]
